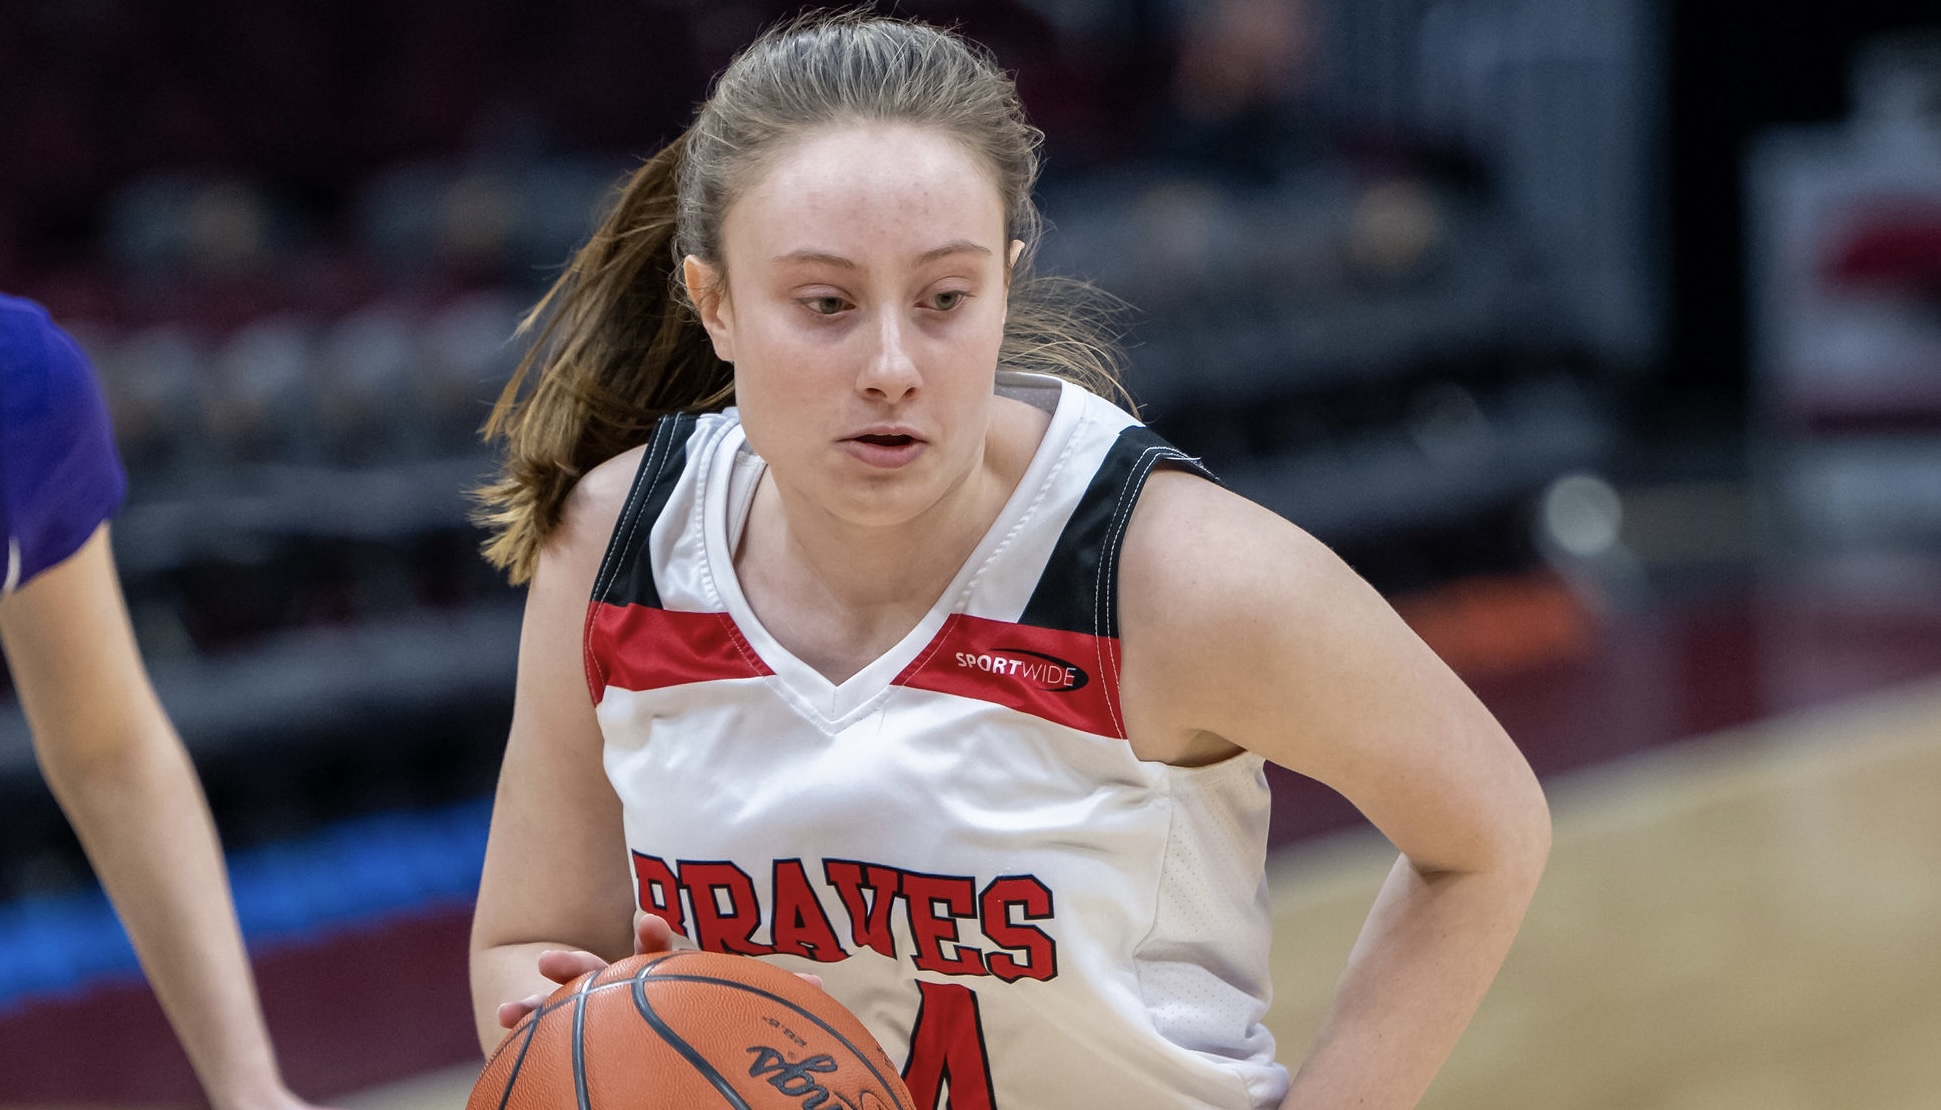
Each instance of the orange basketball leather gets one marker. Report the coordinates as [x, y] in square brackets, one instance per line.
[671, 1031]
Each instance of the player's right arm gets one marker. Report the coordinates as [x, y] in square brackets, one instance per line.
[555, 876]
[125, 782]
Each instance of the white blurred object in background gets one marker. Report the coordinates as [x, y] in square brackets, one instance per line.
[1845, 285]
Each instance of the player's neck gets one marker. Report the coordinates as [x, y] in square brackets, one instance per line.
[837, 593]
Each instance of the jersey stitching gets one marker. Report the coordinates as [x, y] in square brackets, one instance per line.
[816, 718]
[1176, 779]
[698, 520]
[610, 569]
[616, 543]
[1139, 961]
[698, 524]
[929, 650]
[936, 643]
[1029, 513]
[741, 647]
[954, 606]
[1104, 587]
[958, 605]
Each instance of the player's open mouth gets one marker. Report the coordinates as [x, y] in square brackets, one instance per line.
[887, 448]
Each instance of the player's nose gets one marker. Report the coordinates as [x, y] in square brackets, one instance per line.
[889, 371]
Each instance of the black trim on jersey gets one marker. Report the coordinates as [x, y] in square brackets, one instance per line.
[1075, 592]
[627, 573]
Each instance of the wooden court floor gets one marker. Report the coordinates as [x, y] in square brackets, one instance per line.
[1750, 921]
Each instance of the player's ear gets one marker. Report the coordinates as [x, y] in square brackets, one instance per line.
[709, 294]
[1010, 267]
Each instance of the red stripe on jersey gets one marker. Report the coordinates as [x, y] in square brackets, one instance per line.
[1045, 672]
[641, 647]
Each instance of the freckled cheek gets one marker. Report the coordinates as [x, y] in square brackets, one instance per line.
[790, 400]
[789, 361]
[969, 359]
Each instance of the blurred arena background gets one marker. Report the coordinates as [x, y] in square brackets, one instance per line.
[1604, 336]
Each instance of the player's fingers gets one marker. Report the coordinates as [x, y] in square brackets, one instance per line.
[566, 966]
[511, 1012]
[652, 933]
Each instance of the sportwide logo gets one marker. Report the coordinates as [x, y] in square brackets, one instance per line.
[975, 657]
[1046, 672]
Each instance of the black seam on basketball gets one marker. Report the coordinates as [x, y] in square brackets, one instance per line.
[646, 974]
[512, 1078]
[686, 1050]
[579, 1042]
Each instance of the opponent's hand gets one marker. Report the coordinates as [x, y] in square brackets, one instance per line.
[651, 934]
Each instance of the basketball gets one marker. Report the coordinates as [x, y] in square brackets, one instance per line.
[687, 1030]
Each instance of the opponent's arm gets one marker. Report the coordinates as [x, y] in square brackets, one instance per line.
[119, 771]
[555, 873]
[1252, 633]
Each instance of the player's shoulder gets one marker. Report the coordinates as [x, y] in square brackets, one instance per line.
[1231, 615]
[594, 506]
[600, 495]
[576, 545]
[1196, 553]
[605, 487]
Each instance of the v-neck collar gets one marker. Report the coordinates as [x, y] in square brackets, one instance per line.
[835, 706]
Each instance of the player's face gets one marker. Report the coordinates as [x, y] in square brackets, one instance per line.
[866, 272]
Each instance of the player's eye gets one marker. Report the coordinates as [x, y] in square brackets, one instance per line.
[823, 306]
[949, 299]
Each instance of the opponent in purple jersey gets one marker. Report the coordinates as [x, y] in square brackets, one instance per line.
[109, 752]
[838, 246]
[59, 476]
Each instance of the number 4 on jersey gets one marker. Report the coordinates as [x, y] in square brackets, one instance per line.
[947, 1049]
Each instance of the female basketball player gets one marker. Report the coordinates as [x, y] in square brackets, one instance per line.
[109, 754]
[944, 681]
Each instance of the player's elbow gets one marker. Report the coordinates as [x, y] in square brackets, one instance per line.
[1527, 848]
[1514, 845]
[1504, 839]
[88, 759]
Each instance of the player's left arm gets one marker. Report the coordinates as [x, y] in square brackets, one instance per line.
[1242, 631]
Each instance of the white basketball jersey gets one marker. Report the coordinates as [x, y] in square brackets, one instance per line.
[958, 838]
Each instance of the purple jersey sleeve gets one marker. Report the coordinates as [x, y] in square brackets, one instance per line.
[59, 474]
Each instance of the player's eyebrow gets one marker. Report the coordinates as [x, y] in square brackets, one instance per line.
[823, 257]
[809, 254]
[960, 246]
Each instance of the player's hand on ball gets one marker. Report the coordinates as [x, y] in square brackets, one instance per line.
[651, 934]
